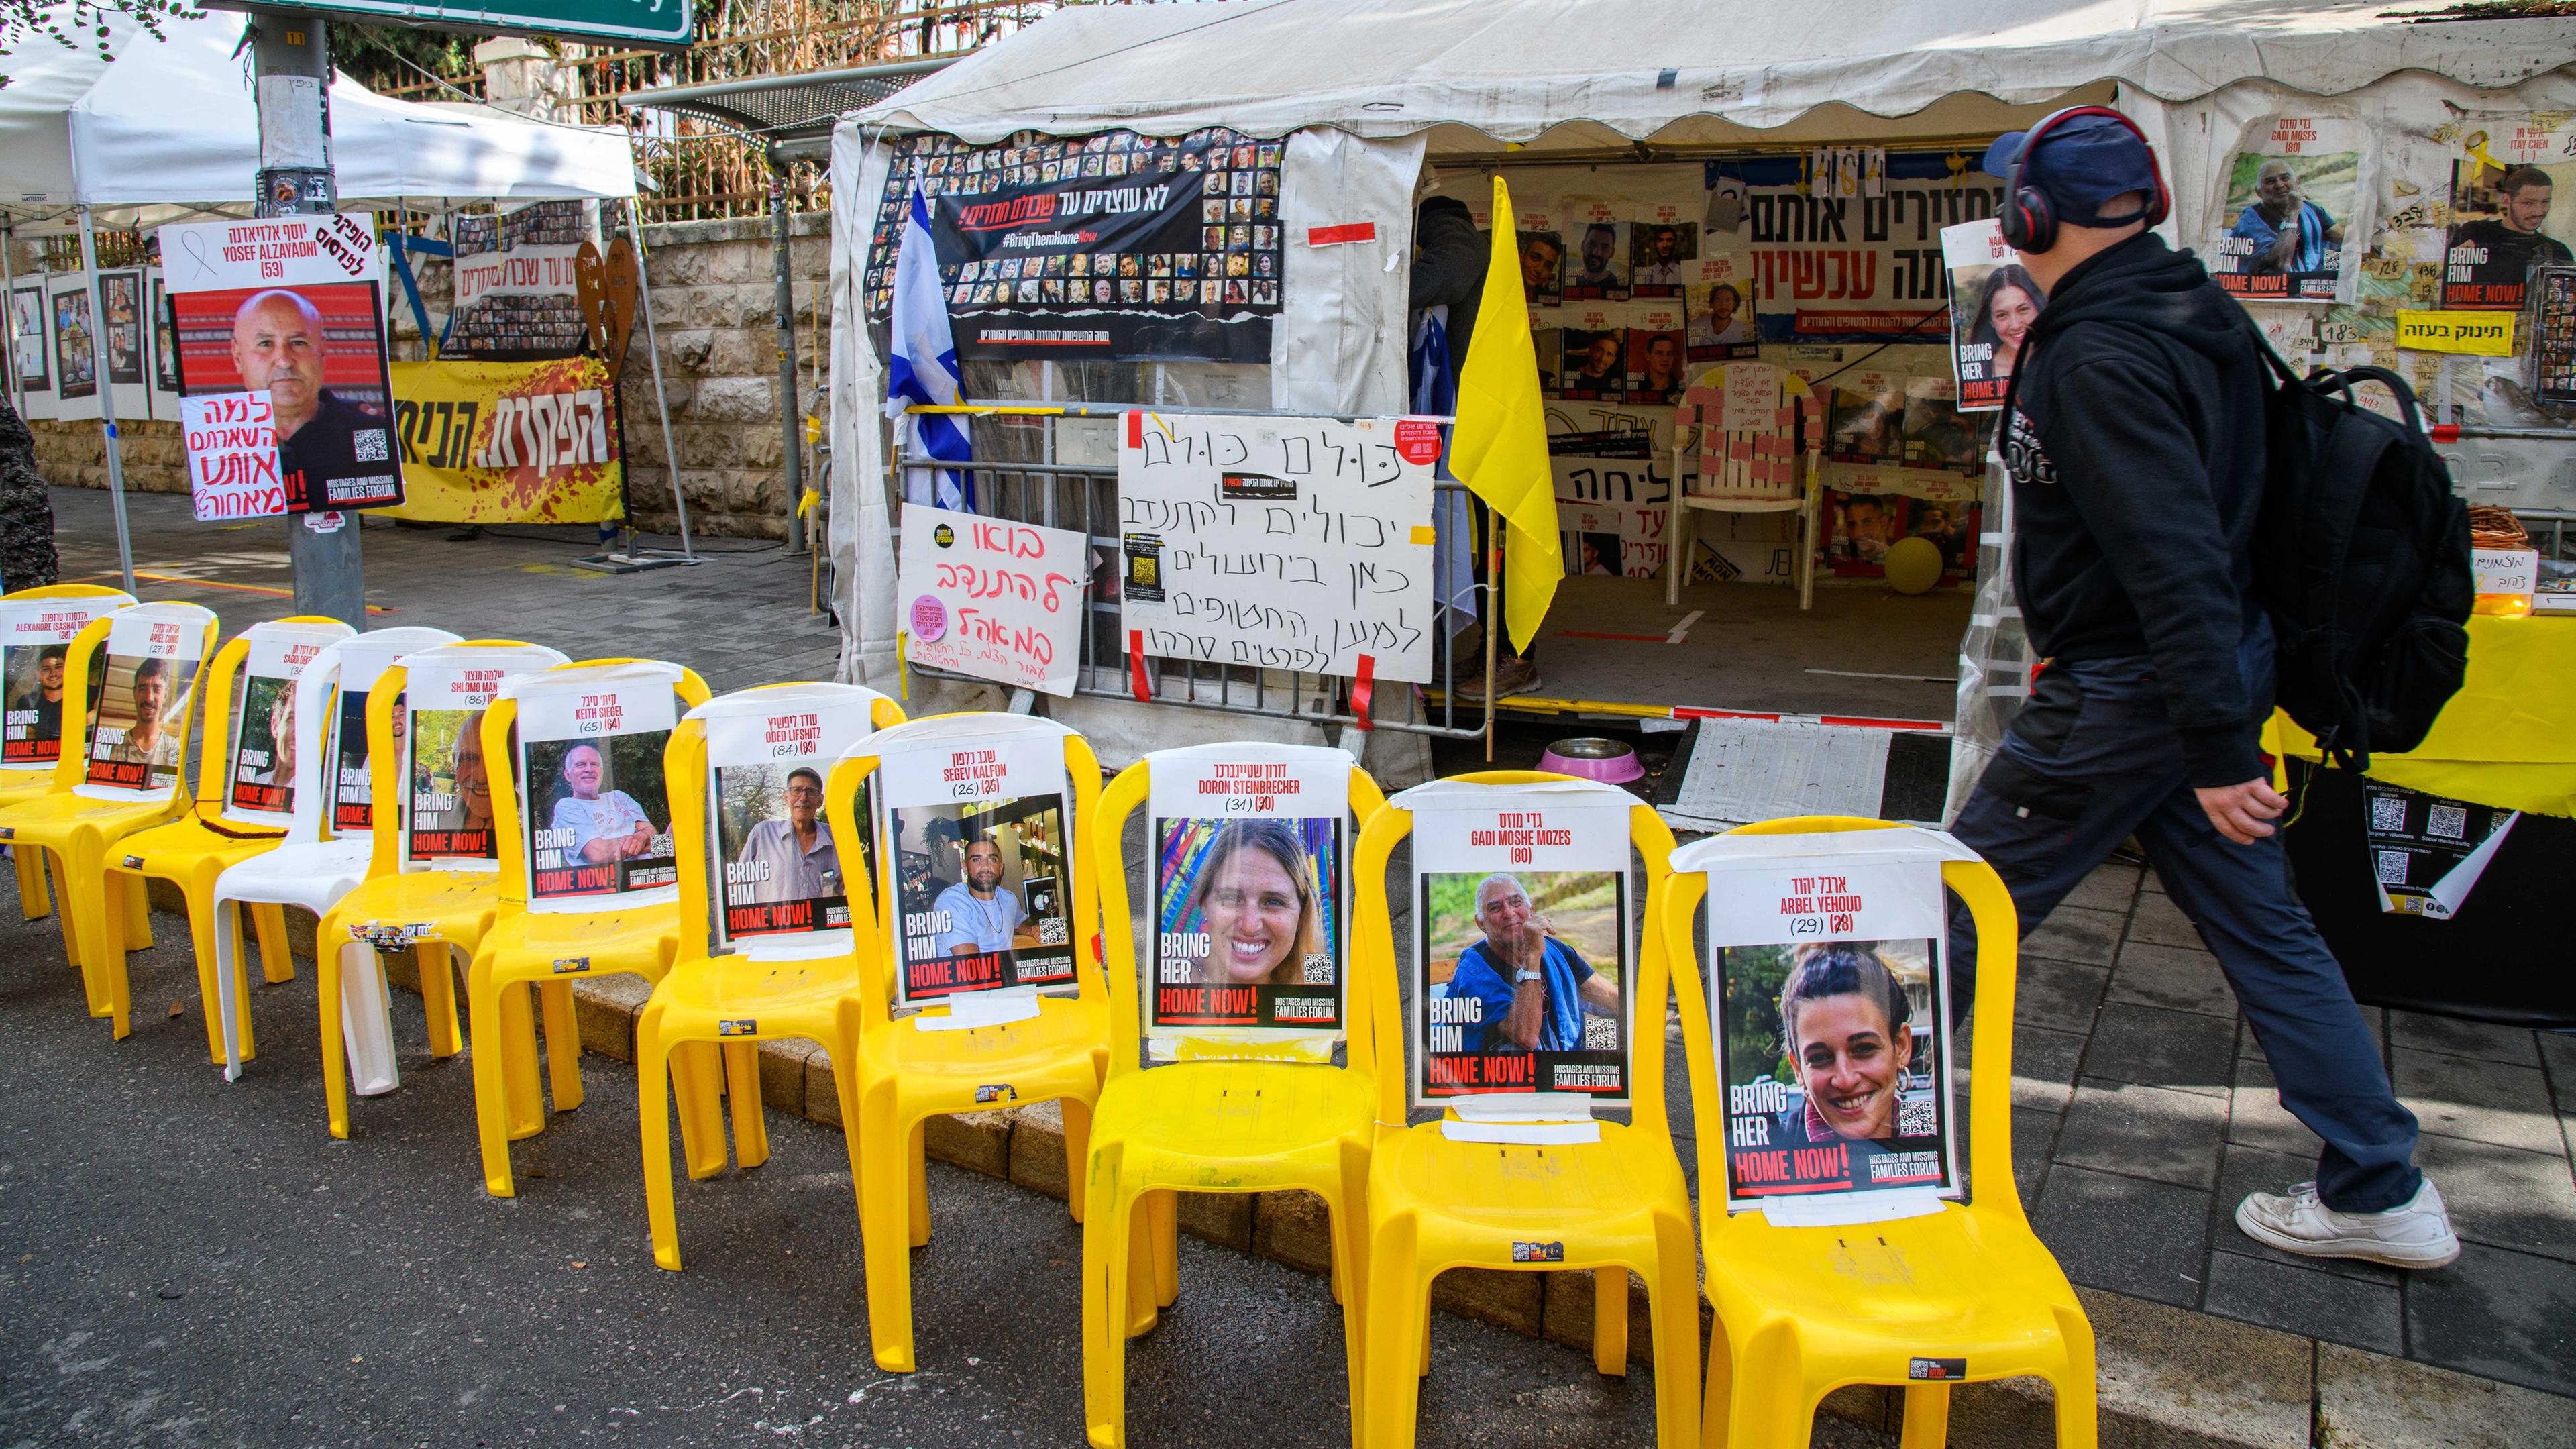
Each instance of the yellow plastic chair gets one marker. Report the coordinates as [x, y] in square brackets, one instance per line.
[1207, 1123]
[22, 781]
[905, 1075]
[432, 908]
[1615, 1204]
[79, 824]
[193, 851]
[1972, 1281]
[547, 950]
[764, 989]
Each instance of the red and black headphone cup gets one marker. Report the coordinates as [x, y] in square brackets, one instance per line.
[2030, 221]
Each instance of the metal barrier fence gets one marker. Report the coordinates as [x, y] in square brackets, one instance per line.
[1083, 497]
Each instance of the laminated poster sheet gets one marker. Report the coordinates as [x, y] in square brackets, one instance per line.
[779, 863]
[1525, 968]
[262, 781]
[451, 814]
[35, 658]
[1249, 940]
[2513, 208]
[138, 736]
[980, 865]
[353, 790]
[1831, 1025]
[598, 817]
[1996, 304]
[2294, 219]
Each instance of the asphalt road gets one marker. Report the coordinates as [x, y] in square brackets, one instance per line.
[186, 1262]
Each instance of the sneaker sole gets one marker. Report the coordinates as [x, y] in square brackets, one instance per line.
[2394, 1255]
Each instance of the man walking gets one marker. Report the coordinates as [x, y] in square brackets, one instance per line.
[2135, 445]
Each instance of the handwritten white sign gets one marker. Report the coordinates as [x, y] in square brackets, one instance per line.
[991, 598]
[279, 251]
[1279, 542]
[232, 456]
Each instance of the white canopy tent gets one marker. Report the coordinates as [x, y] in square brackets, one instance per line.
[163, 128]
[1373, 95]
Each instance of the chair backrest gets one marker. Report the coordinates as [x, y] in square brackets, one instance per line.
[1247, 920]
[249, 768]
[428, 758]
[946, 786]
[37, 627]
[586, 825]
[737, 774]
[334, 787]
[1828, 964]
[1545, 859]
[149, 667]
[1759, 462]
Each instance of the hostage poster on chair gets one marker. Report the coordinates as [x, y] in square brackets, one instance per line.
[139, 734]
[451, 784]
[264, 744]
[2296, 189]
[35, 662]
[353, 788]
[1831, 1024]
[1525, 963]
[982, 890]
[598, 816]
[782, 872]
[1248, 938]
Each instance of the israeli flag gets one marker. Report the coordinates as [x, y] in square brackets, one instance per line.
[924, 366]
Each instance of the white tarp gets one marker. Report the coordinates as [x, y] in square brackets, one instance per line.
[1605, 70]
[171, 123]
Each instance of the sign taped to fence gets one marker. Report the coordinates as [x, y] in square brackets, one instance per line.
[1279, 542]
[1831, 1021]
[508, 442]
[994, 599]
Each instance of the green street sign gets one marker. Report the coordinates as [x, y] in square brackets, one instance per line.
[637, 22]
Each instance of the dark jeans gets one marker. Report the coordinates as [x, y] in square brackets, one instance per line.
[2092, 761]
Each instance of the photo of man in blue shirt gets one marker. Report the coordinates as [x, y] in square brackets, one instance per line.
[982, 913]
[2290, 233]
[1534, 987]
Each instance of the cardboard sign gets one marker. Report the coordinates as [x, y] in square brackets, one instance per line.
[232, 456]
[993, 599]
[1525, 966]
[1277, 542]
[35, 658]
[2474, 334]
[779, 872]
[597, 816]
[1249, 935]
[2294, 210]
[979, 868]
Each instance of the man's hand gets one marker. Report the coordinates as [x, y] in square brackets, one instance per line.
[2243, 813]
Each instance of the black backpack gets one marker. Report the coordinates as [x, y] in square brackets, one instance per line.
[2362, 559]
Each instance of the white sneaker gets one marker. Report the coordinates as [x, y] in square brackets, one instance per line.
[2415, 1234]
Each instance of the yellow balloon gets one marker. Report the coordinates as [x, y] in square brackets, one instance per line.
[1913, 565]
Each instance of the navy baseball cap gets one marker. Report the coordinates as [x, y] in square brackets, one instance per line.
[2080, 164]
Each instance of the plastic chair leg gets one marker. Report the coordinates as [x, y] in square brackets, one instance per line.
[1166, 1242]
[697, 1079]
[742, 1103]
[916, 1184]
[563, 1044]
[1927, 1416]
[2078, 1415]
[212, 983]
[228, 1015]
[1399, 1300]
[1108, 1250]
[1717, 1394]
[138, 918]
[884, 1227]
[1672, 1305]
[33, 899]
[517, 1030]
[1610, 1321]
[1077, 1151]
[1347, 1221]
[365, 1016]
[498, 1044]
[111, 917]
[653, 1114]
[434, 960]
[1774, 1409]
[276, 957]
[63, 913]
[328, 968]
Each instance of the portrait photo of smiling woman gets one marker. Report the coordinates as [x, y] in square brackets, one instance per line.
[1247, 904]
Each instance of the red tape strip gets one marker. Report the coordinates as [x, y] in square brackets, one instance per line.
[1362, 686]
[1355, 231]
[1135, 427]
[1138, 680]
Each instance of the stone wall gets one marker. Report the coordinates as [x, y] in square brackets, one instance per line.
[714, 309]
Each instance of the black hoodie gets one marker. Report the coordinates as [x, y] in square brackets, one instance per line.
[2135, 441]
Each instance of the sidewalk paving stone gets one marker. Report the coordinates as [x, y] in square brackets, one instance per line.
[2300, 1299]
[2181, 978]
[2183, 1050]
[2499, 1315]
[2480, 1100]
[2145, 1131]
[2061, 995]
[2128, 1234]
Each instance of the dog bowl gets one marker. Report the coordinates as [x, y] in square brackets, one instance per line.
[1591, 757]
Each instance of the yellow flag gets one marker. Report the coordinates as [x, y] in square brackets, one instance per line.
[1499, 446]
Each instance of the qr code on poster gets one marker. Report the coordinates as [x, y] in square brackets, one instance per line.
[1600, 1033]
[368, 445]
[1053, 931]
[2451, 822]
[2387, 812]
[2392, 867]
[1319, 969]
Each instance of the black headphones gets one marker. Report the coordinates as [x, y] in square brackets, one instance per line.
[2030, 219]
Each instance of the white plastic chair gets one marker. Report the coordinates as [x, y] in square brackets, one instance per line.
[315, 867]
[1754, 470]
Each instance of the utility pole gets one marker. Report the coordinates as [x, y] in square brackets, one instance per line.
[291, 70]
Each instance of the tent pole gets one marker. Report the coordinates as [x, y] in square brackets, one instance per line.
[792, 447]
[9, 289]
[106, 397]
[653, 351]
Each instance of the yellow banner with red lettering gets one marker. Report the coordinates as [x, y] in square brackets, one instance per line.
[508, 442]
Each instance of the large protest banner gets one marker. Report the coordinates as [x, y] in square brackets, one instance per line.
[515, 295]
[508, 442]
[1279, 542]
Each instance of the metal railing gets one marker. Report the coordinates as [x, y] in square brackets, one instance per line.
[1083, 498]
